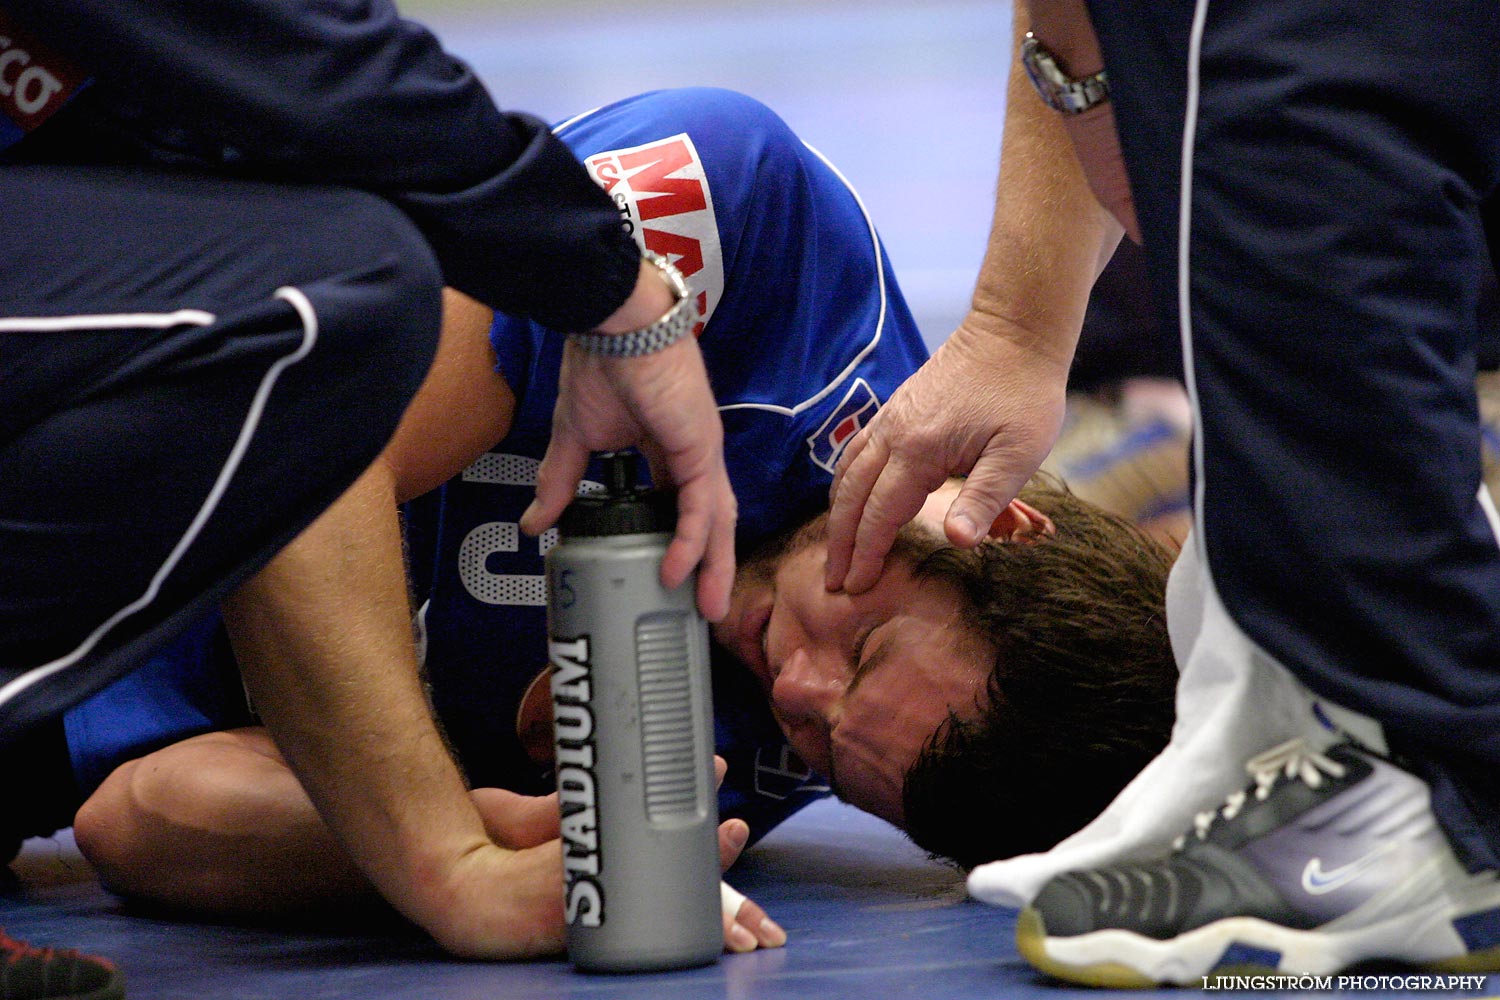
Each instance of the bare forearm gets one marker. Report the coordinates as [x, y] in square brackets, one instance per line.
[1050, 237]
[323, 637]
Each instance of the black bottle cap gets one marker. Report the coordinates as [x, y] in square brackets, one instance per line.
[624, 508]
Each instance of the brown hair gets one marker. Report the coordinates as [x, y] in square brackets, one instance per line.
[1081, 694]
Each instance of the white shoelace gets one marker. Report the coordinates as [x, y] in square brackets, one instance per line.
[1293, 759]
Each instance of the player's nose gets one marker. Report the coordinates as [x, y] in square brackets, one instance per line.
[805, 689]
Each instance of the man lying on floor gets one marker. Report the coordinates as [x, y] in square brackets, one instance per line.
[989, 703]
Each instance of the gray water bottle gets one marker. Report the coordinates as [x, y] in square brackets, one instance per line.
[633, 715]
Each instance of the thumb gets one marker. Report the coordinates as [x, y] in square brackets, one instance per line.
[991, 485]
[517, 821]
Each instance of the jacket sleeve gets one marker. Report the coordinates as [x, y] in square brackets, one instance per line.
[347, 92]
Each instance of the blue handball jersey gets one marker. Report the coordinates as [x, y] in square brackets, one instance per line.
[804, 334]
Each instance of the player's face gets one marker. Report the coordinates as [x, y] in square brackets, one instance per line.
[858, 683]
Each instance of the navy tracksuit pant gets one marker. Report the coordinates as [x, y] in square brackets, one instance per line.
[1342, 161]
[191, 369]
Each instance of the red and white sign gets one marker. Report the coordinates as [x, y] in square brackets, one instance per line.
[34, 80]
[663, 196]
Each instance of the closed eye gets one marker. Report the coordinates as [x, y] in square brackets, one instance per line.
[860, 664]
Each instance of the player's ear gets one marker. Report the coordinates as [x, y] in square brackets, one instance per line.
[1021, 522]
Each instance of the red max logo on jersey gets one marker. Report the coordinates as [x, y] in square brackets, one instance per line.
[664, 199]
[34, 80]
[827, 443]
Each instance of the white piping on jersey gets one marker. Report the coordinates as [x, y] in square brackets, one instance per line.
[189, 317]
[793, 410]
[1184, 242]
[558, 130]
[116, 321]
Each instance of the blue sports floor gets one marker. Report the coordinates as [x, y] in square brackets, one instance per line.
[868, 915]
[906, 96]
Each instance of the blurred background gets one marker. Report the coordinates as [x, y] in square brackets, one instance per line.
[906, 98]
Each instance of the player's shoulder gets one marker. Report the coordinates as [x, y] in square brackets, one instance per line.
[706, 113]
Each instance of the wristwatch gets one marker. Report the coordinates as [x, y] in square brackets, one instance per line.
[1059, 91]
[665, 332]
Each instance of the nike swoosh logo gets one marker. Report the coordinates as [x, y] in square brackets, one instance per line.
[1317, 882]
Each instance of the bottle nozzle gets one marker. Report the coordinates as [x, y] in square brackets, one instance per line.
[625, 507]
[621, 476]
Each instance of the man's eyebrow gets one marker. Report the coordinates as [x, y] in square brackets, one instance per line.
[878, 656]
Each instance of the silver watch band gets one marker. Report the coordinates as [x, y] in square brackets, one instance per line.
[665, 332]
[1056, 88]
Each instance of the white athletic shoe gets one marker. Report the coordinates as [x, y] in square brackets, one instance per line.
[1326, 861]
